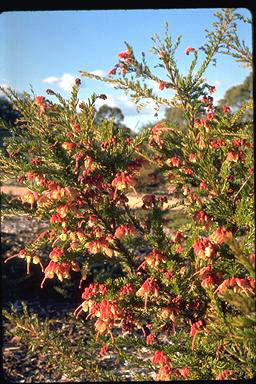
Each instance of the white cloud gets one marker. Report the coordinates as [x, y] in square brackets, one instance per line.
[4, 86]
[120, 101]
[65, 82]
[99, 72]
[111, 101]
[133, 119]
[51, 79]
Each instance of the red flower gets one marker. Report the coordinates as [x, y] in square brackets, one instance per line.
[188, 50]
[150, 339]
[192, 158]
[212, 89]
[217, 144]
[127, 289]
[157, 130]
[68, 146]
[204, 100]
[62, 210]
[123, 231]
[147, 288]
[75, 128]
[160, 358]
[232, 156]
[77, 82]
[164, 373]
[29, 197]
[226, 109]
[202, 218]
[203, 186]
[197, 123]
[112, 72]
[40, 101]
[204, 248]
[210, 115]
[149, 201]
[177, 237]
[188, 171]
[56, 254]
[103, 350]
[175, 161]
[153, 259]
[195, 327]
[124, 69]
[123, 181]
[221, 235]
[162, 85]
[125, 55]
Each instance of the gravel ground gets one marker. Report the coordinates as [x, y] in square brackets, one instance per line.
[18, 287]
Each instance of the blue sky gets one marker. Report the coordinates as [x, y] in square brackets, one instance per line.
[48, 49]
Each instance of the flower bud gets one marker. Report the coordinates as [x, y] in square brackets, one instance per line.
[77, 82]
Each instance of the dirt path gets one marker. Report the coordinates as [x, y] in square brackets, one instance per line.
[13, 190]
[135, 201]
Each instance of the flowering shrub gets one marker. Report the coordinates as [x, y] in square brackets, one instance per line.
[196, 285]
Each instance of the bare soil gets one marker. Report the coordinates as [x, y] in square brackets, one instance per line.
[135, 200]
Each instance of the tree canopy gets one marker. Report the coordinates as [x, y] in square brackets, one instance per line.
[109, 113]
[236, 96]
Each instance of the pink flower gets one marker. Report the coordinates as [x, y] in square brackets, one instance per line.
[175, 161]
[192, 158]
[203, 186]
[224, 374]
[188, 50]
[184, 372]
[188, 171]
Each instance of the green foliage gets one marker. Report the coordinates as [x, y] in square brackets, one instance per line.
[195, 284]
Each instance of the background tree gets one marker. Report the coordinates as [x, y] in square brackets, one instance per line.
[175, 116]
[237, 95]
[109, 113]
[8, 115]
[7, 112]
